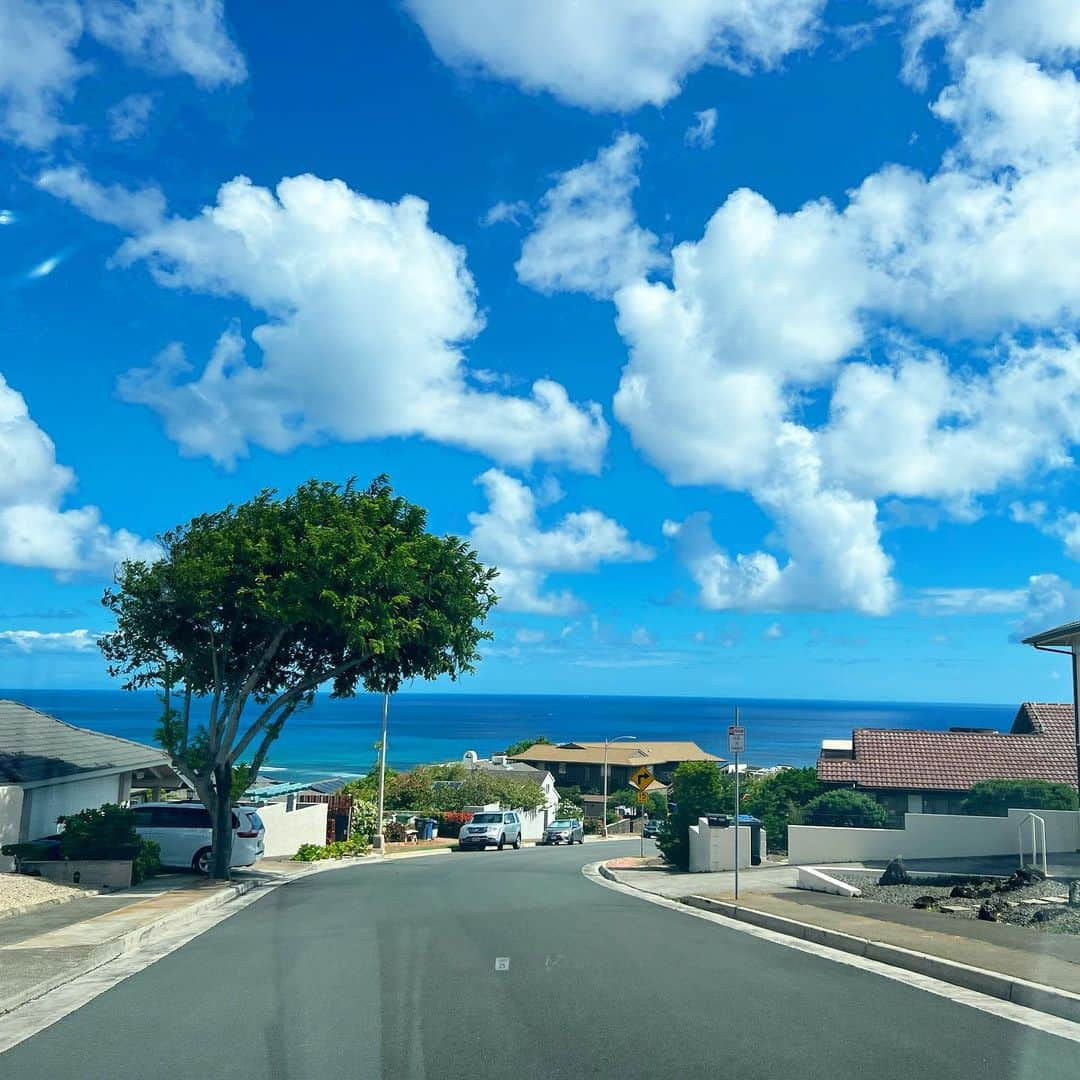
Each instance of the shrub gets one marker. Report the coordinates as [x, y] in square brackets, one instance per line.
[107, 832]
[365, 820]
[847, 808]
[339, 849]
[450, 822]
[146, 863]
[569, 810]
[698, 788]
[993, 798]
[777, 799]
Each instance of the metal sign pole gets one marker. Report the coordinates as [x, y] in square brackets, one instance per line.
[736, 811]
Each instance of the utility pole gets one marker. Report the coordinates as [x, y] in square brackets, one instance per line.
[607, 742]
[381, 839]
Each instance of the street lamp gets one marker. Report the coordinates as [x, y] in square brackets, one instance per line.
[607, 743]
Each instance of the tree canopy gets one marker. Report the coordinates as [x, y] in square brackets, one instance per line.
[845, 807]
[698, 788]
[995, 797]
[263, 602]
[777, 799]
[524, 744]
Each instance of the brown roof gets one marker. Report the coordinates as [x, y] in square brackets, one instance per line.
[1040, 746]
[619, 753]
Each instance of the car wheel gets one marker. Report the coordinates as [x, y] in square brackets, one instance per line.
[517, 842]
[502, 840]
[201, 862]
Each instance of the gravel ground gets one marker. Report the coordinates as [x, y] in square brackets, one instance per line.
[1060, 919]
[18, 890]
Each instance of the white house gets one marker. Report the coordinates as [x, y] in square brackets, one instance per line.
[533, 822]
[49, 768]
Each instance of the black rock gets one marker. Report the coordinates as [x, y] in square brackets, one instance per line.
[895, 873]
[987, 913]
[923, 902]
[963, 892]
[1045, 915]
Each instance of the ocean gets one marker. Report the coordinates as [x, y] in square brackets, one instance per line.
[338, 738]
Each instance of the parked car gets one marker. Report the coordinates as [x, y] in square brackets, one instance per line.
[652, 828]
[565, 831]
[182, 830]
[491, 828]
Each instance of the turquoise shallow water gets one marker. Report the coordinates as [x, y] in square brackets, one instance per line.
[338, 737]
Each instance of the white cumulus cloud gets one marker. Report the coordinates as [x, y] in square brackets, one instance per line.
[585, 237]
[366, 312]
[509, 535]
[613, 54]
[42, 60]
[129, 116]
[35, 530]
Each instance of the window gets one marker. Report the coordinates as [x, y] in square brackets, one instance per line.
[562, 768]
[181, 817]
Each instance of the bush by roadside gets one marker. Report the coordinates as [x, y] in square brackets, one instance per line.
[340, 849]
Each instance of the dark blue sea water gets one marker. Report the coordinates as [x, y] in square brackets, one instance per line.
[335, 738]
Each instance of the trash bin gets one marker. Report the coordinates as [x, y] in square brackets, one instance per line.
[755, 826]
[424, 828]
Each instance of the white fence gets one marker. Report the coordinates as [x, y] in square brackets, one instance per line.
[287, 829]
[11, 799]
[929, 836]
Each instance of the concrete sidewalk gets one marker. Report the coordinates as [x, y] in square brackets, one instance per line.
[1029, 967]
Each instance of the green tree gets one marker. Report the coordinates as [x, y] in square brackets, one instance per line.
[776, 801]
[253, 608]
[994, 798]
[848, 808]
[524, 744]
[698, 788]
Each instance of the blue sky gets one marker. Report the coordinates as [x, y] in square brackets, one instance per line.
[741, 338]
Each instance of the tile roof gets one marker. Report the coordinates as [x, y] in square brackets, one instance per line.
[1039, 746]
[35, 746]
[644, 752]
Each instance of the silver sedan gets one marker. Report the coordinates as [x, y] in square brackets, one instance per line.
[564, 831]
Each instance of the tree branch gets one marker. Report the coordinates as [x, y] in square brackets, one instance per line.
[268, 738]
[291, 696]
[187, 718]
[249, 684]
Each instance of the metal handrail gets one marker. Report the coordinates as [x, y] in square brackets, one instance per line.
[1033, 818]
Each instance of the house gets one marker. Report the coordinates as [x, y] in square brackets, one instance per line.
[49, 768]
[533, 822]
[930, 771]
[581, 764]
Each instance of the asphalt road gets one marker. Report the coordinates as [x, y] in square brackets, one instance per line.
[391, 971]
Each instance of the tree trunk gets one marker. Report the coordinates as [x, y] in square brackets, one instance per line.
[221, 858]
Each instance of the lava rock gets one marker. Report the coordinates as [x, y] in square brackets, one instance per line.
[987, 913]
[924, 902]
[1045, 915]
[895, 873]
[963, 892]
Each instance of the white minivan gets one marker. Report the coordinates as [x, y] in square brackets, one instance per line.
[182, 830]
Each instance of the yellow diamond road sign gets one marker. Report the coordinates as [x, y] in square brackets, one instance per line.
[641, 778]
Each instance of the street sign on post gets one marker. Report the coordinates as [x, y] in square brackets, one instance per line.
[736, 739]
[641, 778]
[642, 796]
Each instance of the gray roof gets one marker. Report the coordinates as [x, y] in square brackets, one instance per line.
[1059, 635]
[518, 768]
[35, 746]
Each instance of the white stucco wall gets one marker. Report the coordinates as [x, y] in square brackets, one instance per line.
[286, 830]
[714, 849]
[10, 813]
[48, 803]
[930, 836]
